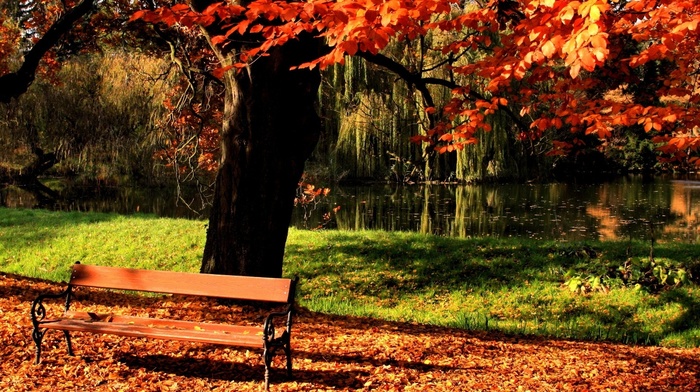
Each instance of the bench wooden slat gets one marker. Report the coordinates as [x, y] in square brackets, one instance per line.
[208, 285]
[211, 336]
[166, 323]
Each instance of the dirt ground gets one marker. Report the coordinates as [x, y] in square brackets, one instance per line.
[330, 354]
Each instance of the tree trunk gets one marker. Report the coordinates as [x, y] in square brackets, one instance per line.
[270, 128]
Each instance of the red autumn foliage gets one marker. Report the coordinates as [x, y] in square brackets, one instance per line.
[330, 353]
[547, 63]
[9, 40]
[550, 60]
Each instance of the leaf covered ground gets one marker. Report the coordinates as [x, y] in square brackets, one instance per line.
[330, 353]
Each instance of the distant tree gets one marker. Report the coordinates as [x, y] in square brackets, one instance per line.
[35, 14]
[49, 41]
[14, 14]
[96, 116]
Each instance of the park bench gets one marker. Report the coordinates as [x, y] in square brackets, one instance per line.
[240, 288]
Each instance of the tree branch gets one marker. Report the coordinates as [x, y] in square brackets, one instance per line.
[403, 72]
[14, 84]
[421, 83]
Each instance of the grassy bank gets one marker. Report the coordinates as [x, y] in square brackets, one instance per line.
[593, 291]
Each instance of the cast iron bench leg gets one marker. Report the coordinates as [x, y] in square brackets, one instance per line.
[288, 353]
[37, 336]
[267, 358]
[68, 343]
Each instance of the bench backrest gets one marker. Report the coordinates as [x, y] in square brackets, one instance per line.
[220, 286]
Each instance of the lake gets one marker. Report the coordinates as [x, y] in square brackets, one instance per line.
[665, 207]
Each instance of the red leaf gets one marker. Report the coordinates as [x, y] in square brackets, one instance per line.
[219, 72]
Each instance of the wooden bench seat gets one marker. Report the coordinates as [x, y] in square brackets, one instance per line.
[265, 336]
[144, 327]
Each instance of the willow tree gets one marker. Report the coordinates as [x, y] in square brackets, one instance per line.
[45, 40]
[369, 116]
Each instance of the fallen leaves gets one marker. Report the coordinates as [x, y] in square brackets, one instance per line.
[330, 353]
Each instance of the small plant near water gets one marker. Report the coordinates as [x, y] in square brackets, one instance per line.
[650, 274]
[653, 275]
[308, 197]
[582, 284]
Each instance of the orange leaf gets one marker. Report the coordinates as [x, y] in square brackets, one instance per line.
[567, 14]
[548, 49]
[218, 40]
[138, 15]
[574, 70]
[587, 60]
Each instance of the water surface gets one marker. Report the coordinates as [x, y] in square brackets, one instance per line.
[663, 207]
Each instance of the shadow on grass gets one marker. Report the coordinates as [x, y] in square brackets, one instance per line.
[689, 319]
[392, 268]
[431, 261]
[26, 226]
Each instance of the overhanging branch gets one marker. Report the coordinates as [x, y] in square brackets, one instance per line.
[14, 84]
[410, 77]
[422, 84]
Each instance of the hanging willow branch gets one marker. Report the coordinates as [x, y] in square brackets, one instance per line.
[421, 84]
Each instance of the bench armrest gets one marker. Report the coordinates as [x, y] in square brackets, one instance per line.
[39, 310]
[269, 325]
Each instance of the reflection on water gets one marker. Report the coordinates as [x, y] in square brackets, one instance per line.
[667, 208]
[160, 201]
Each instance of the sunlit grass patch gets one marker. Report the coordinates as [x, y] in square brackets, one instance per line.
[44, 244]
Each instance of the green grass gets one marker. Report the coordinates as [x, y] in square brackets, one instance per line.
[42, 244]
[511, 285]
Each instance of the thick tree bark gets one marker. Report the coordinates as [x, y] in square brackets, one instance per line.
[14, 84]
[270, 129]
